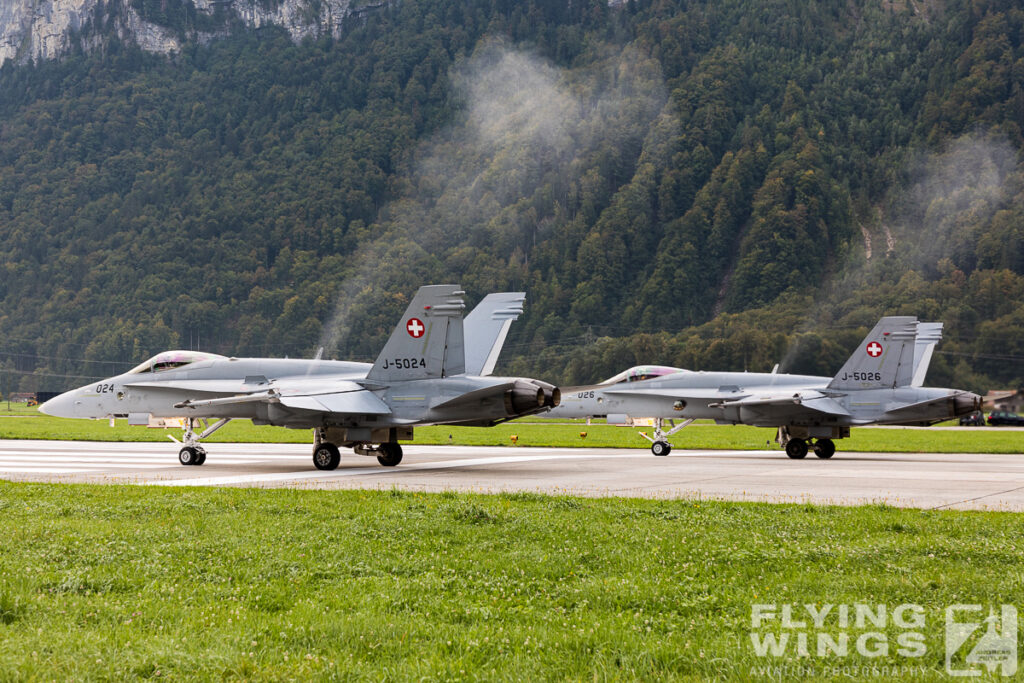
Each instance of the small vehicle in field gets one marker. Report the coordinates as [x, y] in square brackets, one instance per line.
[1004, 417]
[975, 419]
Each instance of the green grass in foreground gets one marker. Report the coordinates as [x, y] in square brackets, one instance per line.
[108, 582]
[534, 432]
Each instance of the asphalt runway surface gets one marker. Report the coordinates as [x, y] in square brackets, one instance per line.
[923, 480]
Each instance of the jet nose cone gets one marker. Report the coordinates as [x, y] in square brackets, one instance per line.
[59, 406]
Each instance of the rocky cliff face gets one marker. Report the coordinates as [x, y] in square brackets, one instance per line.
[45, 29]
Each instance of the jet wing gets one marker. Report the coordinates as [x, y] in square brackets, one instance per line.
[341, 397]
[815, 401]
[352, 402]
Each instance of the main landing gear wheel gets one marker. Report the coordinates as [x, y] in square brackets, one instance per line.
[326, 456]
[824, 448]
[390, 454]
[796, 449]
[190, 455]
[661, 448]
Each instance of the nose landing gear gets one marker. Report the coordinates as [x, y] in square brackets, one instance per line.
[192, 453]
[659, 440]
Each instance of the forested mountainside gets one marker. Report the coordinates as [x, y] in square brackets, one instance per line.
[719, 184]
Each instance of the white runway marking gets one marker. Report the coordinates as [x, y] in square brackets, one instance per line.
[375, 470]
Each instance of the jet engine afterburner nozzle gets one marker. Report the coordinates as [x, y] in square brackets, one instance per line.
[531, 396]
[553, 398]
[965, 403]
[523, 397]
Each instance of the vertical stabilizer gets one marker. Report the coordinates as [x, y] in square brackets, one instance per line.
[928, 335]
[486, 328]
[885, 359]
[428, 340]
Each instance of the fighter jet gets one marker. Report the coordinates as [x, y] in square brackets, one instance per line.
[419, 378]
[879, 384]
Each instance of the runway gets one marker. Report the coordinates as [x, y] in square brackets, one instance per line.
[924, 480]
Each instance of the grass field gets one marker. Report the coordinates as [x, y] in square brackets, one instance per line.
[107, 582]
[27, 423]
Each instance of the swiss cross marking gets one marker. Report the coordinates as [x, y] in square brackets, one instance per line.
[415, 328]
[874, 349]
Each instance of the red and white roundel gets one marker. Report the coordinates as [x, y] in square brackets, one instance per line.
[874, 349]
[415, 328]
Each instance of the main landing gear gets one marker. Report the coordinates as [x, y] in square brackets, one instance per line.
[797, 447]
[192, 452]
[327, 456]
[659, 441]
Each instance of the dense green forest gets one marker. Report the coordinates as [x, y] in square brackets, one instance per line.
[713, 184]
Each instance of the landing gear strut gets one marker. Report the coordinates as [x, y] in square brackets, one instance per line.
[192, 452]
[659, 440]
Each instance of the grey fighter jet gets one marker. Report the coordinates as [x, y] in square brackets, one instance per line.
[419, 378]
[879, 384]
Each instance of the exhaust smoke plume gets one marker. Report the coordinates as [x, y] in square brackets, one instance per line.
[950, 196]
[525, 125]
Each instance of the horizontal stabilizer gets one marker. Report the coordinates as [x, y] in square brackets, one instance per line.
[912, 408]
[473, 397]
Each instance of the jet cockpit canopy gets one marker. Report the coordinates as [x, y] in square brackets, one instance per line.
[172, 360]
[642, 372]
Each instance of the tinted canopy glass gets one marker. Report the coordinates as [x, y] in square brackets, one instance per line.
[642, 372]
[172, 360]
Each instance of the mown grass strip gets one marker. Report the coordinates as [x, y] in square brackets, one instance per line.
[107, 582]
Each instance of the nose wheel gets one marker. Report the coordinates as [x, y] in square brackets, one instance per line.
[661, 448]
[191, 455]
